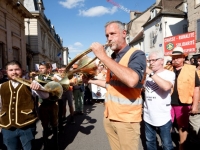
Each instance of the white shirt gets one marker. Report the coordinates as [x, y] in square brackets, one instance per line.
[157, 104]
[40, 94]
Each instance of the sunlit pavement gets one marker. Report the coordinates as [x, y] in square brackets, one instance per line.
[86, 134]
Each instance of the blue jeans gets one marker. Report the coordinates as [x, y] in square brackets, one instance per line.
[11, 138]
[165, 135]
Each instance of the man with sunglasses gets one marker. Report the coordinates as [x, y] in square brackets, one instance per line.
[157, 107]
[185, 94]
[48, 109]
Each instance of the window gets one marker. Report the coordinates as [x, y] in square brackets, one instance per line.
[16, 54]
[152, 36]
[198, 30]
[1, 55]
[153, 13]
[43, 39]
[185, 28]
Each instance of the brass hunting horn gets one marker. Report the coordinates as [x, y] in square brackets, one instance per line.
[85, 64]
[52, 87]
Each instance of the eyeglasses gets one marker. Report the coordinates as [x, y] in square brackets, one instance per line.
[152, 60]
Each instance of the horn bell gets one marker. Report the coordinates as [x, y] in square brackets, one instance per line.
[87, 66]
[55, 88]
[65, 82]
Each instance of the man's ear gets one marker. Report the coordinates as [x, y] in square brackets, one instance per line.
[124, 34]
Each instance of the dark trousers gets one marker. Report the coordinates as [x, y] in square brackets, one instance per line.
[60, 114]
[48, 113]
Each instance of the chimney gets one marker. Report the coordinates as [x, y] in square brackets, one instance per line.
[157, 2]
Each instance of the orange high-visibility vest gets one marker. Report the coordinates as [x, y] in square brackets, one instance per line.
[198, 73]
[121, 102]
[186, 84]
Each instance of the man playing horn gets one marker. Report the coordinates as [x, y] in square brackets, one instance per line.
[123, 101]
[48, 109]
[66, 98]
[18, 114]
[78, 92]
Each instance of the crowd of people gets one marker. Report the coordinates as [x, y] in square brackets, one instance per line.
[48, 107]
[170, 102]
[170, 95]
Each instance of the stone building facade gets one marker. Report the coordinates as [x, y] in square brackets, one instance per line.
[194, 20]
[12, 32]
[43, 43]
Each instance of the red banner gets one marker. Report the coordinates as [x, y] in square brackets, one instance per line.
[186, 41]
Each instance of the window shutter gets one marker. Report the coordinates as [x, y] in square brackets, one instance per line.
[185, 28]
[1, 55]
[198, 29]
[151, 39]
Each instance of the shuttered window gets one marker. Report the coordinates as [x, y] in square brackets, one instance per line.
[16, 54]
[198, 30]
[152, 39]
[185, 28]
[1, 55]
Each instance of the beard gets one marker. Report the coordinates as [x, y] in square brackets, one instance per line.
[175, 64]
[114, 47]
[11, 77]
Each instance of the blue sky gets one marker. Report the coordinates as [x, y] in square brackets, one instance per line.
[81, 22]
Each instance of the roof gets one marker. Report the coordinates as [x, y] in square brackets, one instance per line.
[140, 13]
[137, 37]
[168, 7]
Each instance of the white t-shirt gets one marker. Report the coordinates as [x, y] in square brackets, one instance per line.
[157, 104]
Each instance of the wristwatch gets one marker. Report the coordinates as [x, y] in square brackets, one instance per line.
[151, 74]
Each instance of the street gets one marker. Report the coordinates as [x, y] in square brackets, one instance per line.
[86, 134]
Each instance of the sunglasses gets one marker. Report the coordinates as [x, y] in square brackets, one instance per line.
[42, 63]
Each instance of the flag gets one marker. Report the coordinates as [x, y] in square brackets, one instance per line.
[59, 55]
[36, 67]
[54, 66]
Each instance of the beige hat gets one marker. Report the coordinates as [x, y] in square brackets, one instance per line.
[178, 51]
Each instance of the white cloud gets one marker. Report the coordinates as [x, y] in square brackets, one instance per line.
[97, 11]
[78, 44]
[72, 3]
[75, 48]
